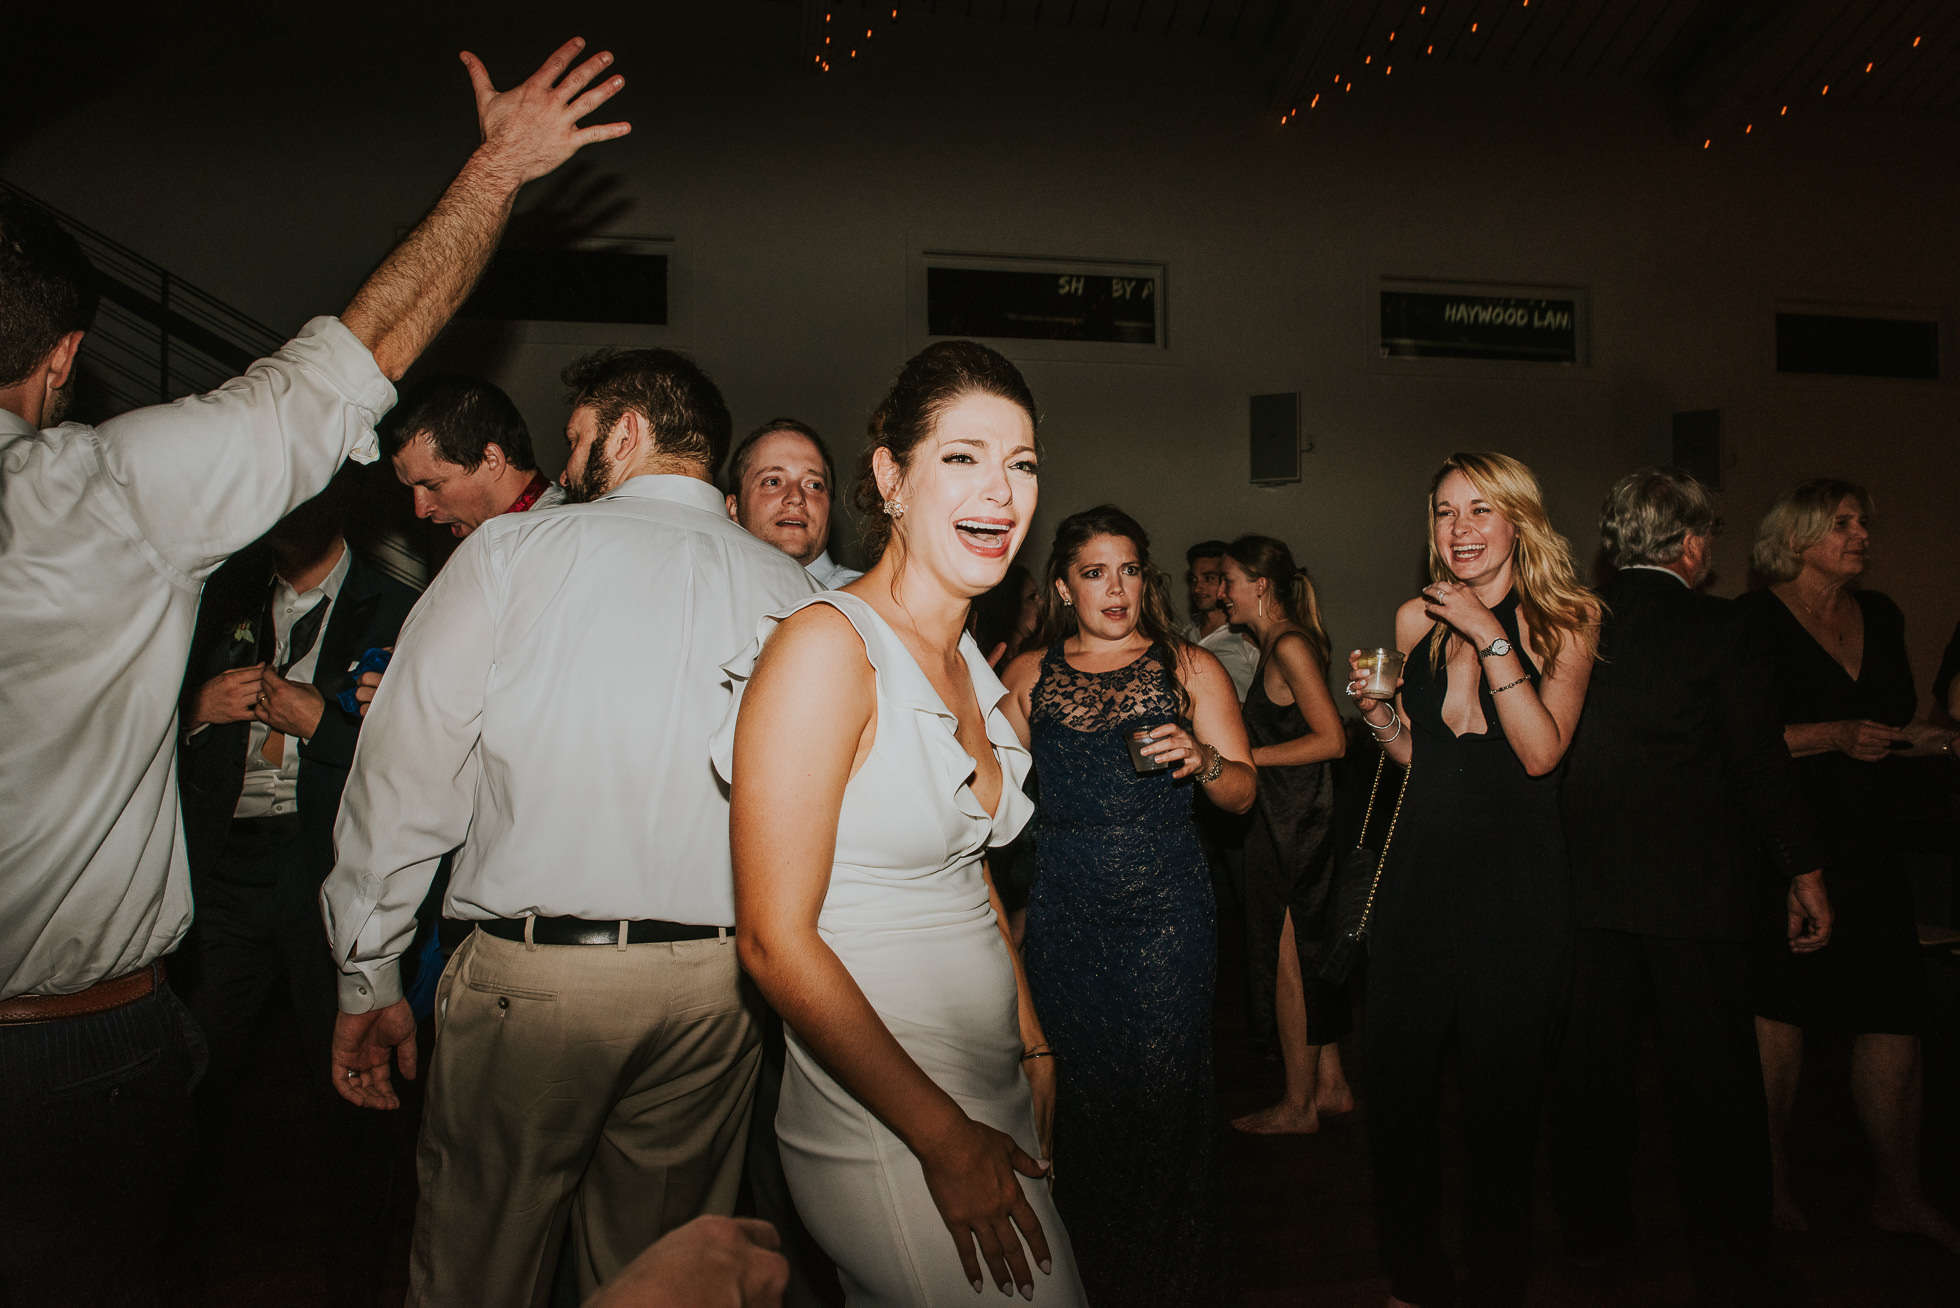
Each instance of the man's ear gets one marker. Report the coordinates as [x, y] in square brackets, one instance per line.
[630, 440]
[61, 361]
[493, 458]
[733, 504]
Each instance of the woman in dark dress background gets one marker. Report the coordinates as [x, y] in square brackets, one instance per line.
[1295, 730]
[1121, 947]
[1471, 930]
[1848, 700]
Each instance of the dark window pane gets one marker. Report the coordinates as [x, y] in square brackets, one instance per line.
[1857, 347]
[1041, 306]
[573, 286]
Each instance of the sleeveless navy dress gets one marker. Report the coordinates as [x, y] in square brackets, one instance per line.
[1121, 953]
[1471, 943]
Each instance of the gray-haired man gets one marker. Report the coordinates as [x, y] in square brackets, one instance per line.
[1681, 805]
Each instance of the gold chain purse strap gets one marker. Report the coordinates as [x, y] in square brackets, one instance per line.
[1368, 908]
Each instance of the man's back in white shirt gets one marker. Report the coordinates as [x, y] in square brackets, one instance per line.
[548, 710]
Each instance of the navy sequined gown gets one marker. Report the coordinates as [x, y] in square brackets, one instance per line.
[1121, 951]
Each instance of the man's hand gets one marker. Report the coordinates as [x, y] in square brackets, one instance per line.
[362, 1043]
[291, 707]
[533, 127]
[712, 1262]
[228, 697]
[1868, 742]
[1810, 913]
[364, 690]
[527, 131]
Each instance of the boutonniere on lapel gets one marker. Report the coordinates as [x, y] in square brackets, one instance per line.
[242, 633]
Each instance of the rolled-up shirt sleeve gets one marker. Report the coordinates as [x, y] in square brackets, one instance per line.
[207, 475]
[411, 792]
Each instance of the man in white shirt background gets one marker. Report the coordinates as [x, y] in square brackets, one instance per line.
[548, 710]
[106, 538]
[462, 449]
[780, 487]
[1205, 579]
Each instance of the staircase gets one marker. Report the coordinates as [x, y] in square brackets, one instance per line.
[156, 337]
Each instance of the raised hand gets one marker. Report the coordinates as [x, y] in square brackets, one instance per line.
[975, 1181]
[1457, 604]
[533, 127]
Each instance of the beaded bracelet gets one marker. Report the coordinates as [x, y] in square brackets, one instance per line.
[1499, 690]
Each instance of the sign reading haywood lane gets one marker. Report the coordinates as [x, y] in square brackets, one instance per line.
[1445, 325]
[1041, 306]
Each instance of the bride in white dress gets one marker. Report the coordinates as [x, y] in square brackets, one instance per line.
[870, 768]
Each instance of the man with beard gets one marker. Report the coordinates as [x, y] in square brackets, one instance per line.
[547, 715]
[107, 535]
[779, 489]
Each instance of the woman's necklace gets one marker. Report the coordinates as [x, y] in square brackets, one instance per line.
[1834, 630]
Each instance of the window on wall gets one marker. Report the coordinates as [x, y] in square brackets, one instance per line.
[1044, 300]
[613, 281]
[1843, 345]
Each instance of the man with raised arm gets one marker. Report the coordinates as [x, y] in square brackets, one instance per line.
[106, 538]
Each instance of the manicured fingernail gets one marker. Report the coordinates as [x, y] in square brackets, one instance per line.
[976, 1286]
[1047, 1268]
[1027, 1292]
[1007, 1288]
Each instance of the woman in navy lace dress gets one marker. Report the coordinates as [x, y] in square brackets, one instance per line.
[1121, 946]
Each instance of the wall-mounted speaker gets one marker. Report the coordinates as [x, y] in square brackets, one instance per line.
[1698, 445]
[1275, 438]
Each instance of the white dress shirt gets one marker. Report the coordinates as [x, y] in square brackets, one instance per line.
[1655, 567]
[548, 710]
[271, 790]
[1239, 655]
[831, 575]
[106, 537]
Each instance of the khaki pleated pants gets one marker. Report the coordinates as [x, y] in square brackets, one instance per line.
[590, 1088]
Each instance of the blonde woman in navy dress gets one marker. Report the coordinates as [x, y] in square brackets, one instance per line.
[871, 767]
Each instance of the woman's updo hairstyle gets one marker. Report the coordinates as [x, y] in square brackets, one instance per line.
[931, 382]
[1264, 558]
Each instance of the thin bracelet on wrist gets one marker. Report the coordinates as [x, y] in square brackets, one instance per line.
[1394, 720]
[1499, 690]
[1039, 1051]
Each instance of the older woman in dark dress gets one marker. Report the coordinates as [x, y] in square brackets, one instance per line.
[1848, 702]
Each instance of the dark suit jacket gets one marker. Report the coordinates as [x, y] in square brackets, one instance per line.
[1678, 780]
[211, 767]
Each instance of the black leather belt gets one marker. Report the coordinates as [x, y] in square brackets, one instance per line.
[578, 931]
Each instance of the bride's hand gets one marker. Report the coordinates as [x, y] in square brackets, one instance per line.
[973, 1181]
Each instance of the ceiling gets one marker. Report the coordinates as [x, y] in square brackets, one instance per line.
[1721, 65]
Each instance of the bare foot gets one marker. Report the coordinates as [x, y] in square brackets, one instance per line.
[1785, 1215]
[1918, 1219]
[1333, 1100]
[1280, 1119]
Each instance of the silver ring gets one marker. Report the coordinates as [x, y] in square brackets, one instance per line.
[352, 1074]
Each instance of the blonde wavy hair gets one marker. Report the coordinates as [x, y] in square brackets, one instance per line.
[1554, 603]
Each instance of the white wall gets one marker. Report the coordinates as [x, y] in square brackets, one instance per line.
[795, 200]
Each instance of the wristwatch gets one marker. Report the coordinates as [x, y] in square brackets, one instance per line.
[1498, 649]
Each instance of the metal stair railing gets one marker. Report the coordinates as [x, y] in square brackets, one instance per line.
[156, 337]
